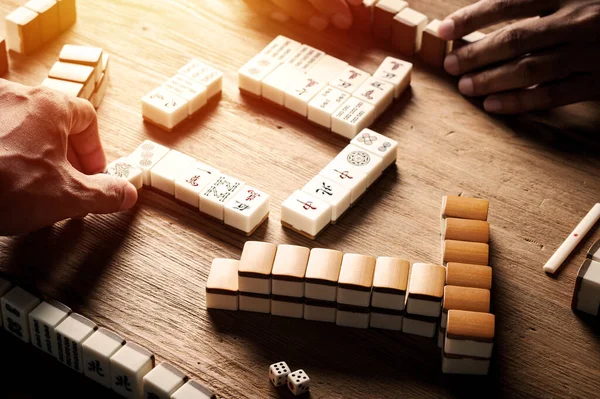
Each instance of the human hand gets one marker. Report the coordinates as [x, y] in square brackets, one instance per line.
[315, 13]
[534, 63]
[49, 151]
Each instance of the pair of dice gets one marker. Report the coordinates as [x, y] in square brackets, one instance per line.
[298, 382]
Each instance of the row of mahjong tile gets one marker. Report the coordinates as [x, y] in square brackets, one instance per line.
[340, 184]
[586, 296]
[356, 291]
[37, 23]
[324, 89]
[194, 184]
[408, 30]
[464, 224]
[182, 96]
[100, 354]
[80, 71]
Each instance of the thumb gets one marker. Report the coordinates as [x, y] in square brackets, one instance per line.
[102, 193]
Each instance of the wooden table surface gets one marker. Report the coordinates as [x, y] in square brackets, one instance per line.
[142, 273]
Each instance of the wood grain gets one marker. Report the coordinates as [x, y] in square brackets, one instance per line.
[142, 273]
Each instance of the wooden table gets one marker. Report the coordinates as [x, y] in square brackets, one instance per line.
[142, 273]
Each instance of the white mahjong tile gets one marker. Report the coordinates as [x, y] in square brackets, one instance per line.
[186, 88]
[168, 169]
[162, 381]
[466, 365]
[347, 318]
[320, 313]
[191, 182]
[352, 117]
[247, 209]
[355, 181]
[70, 335]
[287, 309]
[205, 75]
[251, 74]
[589, 292]
[349, 79]
[97, 351]
[16, 306]
[324, 104]
[298, 95]
[281, 48]
[305, 57]
[254, 303]
[378, 144]
[306, 213]
[334, 194]
[43, 321]
[75, 73]
[376, 92]
[128, 366]
[327, 68]
[396, 72]
[357, 159]
[276, 82]
[386, 321]
[164, 108]
[100, 91]
[125, 169]
[193, 390]
[5, 286]
[214, 196]
[146, 156]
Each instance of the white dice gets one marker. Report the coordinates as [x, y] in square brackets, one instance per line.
[278, 373]
[298, 382]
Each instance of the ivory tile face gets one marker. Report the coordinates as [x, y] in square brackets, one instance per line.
[128, 366]
[75, 73]
[277, 82]
[206, 75]
[376, 92]
[100, 91]
[355, 181]
[193, 390]
[194, 93]
[327, 68]
[43, 321]
[190, 183]
[334, 194]
[377, 144]
[407, 31]
[222, 286]
[247, 209]
[287, 306]
[69, 88]
[305, 213]
[164, 108]
[397, 72]
[352, 117]
[298, 95]
[16, 306]
[124, 169]
[324, 104]
[251, 74]
[146, 156]
[71, 333]
[168, 169]
[386, 321]
[23, 31]
[354, 317]
[214, 197]
[320, 311]
[162, 381]
[305, 58]
[97, 351]
[586, 297]
[349, 79]
[257, 303]
[281, 48]
[82, 55]
[358, 160]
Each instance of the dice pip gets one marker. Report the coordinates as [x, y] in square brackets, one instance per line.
[298, 382]
[278, 373]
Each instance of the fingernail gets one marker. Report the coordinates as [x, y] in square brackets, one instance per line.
[465, 86]
[492, 104]
[451, 64]
[279, 16]
[130, 197]
[318, 23]
[341, 21]
[446, 29]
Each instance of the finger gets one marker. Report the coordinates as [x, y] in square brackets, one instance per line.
[84, 138]
[530, 70]
[73, 159]
[511, 42]
[303, 12]
[490, 12]
[268, 9]
[575, 88]
[337, 11]
[100, 193]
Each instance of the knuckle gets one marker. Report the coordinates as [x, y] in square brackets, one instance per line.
[528, 69]
[481, 83]
[513, 39]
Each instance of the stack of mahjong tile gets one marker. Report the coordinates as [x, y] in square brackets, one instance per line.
[324, 89]
[586, 296]
[80, 71]
[467, 328]
[182, 96]
[318, 284]
[98, 353]
[194, 184]
[406, 29]
[37, 23]
[340, 184]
